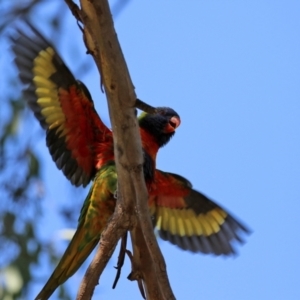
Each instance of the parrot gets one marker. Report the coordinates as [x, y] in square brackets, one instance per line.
[82, 147]
[79, 142]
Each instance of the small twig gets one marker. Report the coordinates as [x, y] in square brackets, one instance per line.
[76, 12]
[144, 106]
[135, 275]
[141, 288]
[74, 8]
[121, 259]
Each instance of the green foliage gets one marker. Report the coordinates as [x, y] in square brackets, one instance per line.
[17, 275]
[21, 192]
[21, 185]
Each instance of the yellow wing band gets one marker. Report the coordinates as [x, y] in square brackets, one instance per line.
[184, 222]
[46, 90]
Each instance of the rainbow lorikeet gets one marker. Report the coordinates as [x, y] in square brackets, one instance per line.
[82, 147]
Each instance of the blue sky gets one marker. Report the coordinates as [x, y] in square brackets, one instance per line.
[231, 69]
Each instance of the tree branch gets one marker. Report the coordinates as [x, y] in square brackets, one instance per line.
[101, 40]
[110, 236]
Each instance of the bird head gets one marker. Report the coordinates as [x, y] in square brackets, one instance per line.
[161, 125]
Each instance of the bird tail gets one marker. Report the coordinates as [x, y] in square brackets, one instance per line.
[98, 207]
[74, 256]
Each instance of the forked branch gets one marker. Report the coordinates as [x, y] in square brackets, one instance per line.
[101, 40]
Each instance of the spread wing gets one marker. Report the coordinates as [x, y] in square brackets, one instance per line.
[189, 219]
[62, 104]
